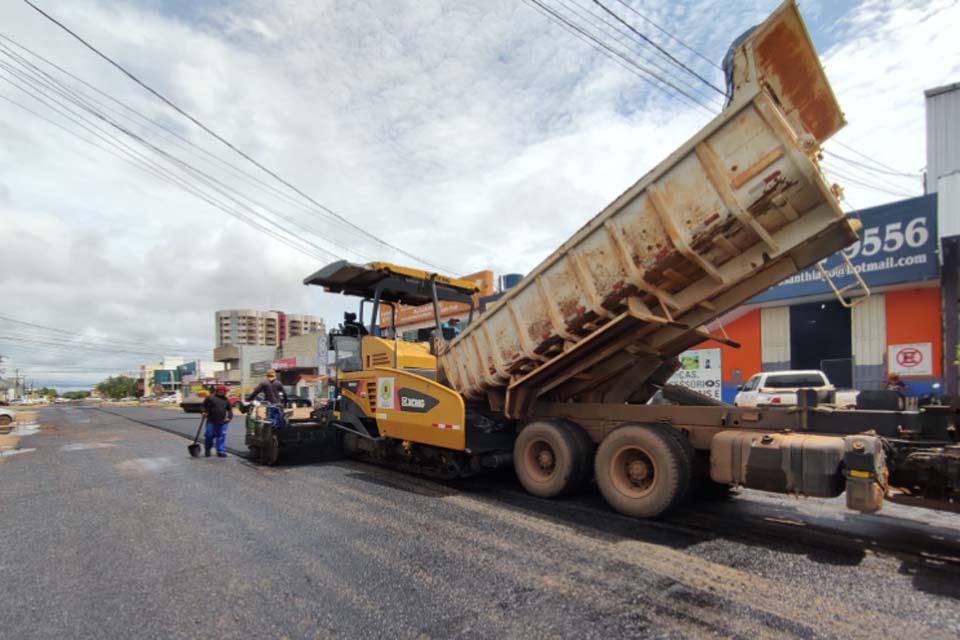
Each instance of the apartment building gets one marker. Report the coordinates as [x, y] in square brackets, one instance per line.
[249, 327]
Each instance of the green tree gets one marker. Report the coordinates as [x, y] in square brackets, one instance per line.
[118, 386]
[76, 395]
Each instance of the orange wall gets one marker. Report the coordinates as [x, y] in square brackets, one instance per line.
[913, 315]
[746, 331]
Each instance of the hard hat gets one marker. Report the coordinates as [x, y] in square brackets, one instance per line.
[221, 387]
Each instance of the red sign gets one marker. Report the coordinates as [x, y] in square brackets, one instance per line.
[283, 365]
[909, 357]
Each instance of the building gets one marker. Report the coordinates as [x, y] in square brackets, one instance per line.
[800, 324]
[247, 327]
[159, 378]
[298, 325]
[262, 328]
[239, 360]
[943, 134]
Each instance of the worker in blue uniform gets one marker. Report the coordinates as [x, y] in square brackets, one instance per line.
[219, 413]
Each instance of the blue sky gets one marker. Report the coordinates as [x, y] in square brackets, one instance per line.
[475, 135]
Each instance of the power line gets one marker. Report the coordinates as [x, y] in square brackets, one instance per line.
[666, 53]
[204, 178]
[605, 26]
[226, 142]
[881, 189]
[184, 142]
[865, 157]
[670, 35]
[81, 335]
[873, 169]
[607, 50]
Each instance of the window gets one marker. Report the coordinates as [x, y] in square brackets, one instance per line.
[348, 353]
[752, 383]
[795, 381]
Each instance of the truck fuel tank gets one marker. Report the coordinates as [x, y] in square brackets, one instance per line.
[780, 462]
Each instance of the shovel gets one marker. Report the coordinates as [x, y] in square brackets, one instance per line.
[194, 448]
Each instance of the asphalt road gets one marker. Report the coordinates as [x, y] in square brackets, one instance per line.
[112, 531]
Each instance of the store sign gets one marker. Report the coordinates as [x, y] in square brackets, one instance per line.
[284, 364]
[910, 359]
[898, 243]
[700, 371]
[260, 368]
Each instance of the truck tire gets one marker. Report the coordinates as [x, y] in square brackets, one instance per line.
[5, 420]
[643, 470]
[549, 459]
[586, 451]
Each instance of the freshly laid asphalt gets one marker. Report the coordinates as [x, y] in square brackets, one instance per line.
[112, 531]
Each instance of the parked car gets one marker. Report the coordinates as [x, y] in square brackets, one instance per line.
[7, 418]
[779, 388]
[168, 399]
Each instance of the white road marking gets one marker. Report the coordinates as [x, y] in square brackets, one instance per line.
[26, 429]
[145, 465]
[10, 451]
[80, 446]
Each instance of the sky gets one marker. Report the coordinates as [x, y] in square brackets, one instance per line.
[468, 135]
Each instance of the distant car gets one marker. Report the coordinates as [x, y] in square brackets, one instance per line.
[779, 388]
[7, 418]
[168, 399]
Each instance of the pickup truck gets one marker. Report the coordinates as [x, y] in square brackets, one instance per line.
[780, 388]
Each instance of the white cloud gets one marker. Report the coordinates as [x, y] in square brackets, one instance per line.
[475, 135]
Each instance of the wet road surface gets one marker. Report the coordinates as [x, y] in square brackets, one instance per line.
[112, 531]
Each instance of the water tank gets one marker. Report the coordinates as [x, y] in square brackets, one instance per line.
[510, 280]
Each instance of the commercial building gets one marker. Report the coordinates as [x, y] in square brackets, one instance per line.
[238, 371]
[262, 328]
[800, 323]
[411, 321]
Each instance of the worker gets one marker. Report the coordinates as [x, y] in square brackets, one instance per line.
[895, 383]
[271, 388]
[219, 413]
[453, 325]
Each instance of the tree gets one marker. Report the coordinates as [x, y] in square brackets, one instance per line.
[76, 395]
[118, 386]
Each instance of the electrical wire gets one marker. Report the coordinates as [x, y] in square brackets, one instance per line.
[175, 137]
[226, 142]
[870, 168]
[663, 51]
[623, 37]
[670, 35]
[880, 189]
[607, 50]
[216, 185]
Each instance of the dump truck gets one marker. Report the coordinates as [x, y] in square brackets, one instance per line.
[555, 378]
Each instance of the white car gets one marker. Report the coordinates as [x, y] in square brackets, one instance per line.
[779, 388]
[7, 418]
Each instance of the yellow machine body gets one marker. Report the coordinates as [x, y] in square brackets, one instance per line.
[405, 403]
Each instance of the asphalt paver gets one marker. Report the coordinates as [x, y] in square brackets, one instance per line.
[112, 531]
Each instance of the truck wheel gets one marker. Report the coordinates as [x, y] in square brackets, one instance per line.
[5, 420]
[548, 459]
[585, 452]
[642, 471]
[254, 454]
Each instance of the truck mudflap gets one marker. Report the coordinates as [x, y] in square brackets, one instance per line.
[865, 468]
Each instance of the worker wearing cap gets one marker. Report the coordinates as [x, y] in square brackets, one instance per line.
[219, 413]
[271, 388]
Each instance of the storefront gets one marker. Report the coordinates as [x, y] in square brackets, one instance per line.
[800, 324]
